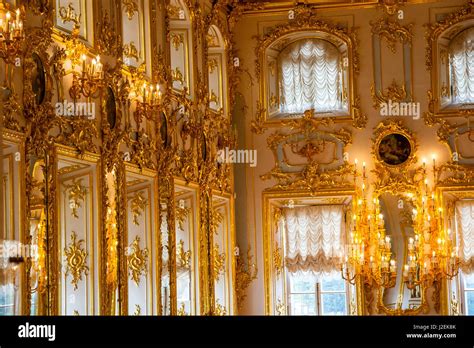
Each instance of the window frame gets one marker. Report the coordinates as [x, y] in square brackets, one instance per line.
[293, 32]
[318, 296]
[438, 38]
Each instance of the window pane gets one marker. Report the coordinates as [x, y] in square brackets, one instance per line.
[469, 281]
[301, 284]
[304, 304]
[333, 284]
[469, 302]
[333, 304]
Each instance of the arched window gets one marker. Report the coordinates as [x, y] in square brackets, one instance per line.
[310, 77]
[461, 64]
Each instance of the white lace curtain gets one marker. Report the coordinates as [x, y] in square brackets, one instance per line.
[314, 238]
[310, 77]
[462, 66]
[465, 228]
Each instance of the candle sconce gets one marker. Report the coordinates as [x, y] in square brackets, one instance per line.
[148, 99]
[12, 35]
[90, 81]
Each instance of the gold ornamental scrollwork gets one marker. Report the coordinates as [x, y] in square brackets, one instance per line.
[246, 271]
[183, 257]
[392, 32]
[278, 260]
[69, 14]
[216, 220]
[76, 194]
[219, 309]
[138, 204]
[181, 214]
[218, 263]
[130, 7]
[137, 260]
[76, 260]
[310, 175]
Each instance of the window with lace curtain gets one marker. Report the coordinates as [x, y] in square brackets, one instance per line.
[465, 244]
[314, 238]
[307, 71]
[311, 77]
[461, 68]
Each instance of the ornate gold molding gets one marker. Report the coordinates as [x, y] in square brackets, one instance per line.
[138, 204]
[130, 7]
[76, 194]
[137, 260]
[76, 260]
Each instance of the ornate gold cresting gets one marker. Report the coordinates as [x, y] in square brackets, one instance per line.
[309, 131]
[137, 260]
[138, 204]
[76, 260]
[76, 194]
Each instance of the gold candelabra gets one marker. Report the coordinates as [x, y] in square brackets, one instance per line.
[11, 33]
[432, 256]
[148, 98]
[368, 255]
[89, 81]
[431, 253]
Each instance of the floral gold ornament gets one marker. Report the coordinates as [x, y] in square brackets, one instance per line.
[131, 51]
[220, 310]
[137, 260]
[246, 272]
[76, 194]
[76, 258]
[181, 213]
[69, 14]
[138, 310]
[130, 7]
[216, 220]
[278, 260]
[218, 263]
[138, 204]
[177, 40]
[183, 257]
[178, 76]
[280, 308]
[182, 310]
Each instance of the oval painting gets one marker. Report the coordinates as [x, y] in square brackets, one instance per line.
[38, 79]
[394, 149]
[111, 109]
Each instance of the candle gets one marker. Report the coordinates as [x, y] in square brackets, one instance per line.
[393, 266]
[83, 58]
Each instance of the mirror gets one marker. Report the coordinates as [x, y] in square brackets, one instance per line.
[398, 226]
